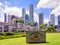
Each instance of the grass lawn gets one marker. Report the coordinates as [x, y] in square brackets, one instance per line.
[51, 38]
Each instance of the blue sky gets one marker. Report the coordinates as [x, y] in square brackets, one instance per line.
[36, 3]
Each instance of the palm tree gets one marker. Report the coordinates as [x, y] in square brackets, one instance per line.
[51, 28]
[43, 26]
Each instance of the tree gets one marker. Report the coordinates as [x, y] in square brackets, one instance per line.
[43, 26]
[22, 21]
[51, 28]
[33, 24]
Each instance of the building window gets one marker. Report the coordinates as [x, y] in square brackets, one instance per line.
[6, 28]
[0, 29]
[13, 29]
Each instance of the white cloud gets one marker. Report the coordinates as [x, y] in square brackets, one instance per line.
[14, 11]
[1, 4]
[56, 11]
[48, 4]
[1, 13]
[46, 21]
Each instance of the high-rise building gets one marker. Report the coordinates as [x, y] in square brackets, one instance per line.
[9, 17]
[49, 23]
[31, 12]
[12, 19]
[23, 13]
[41, 18]
[52, 19]
[5, 17]
[58, 19]
[27, 18]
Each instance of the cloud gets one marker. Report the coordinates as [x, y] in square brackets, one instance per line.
[14, 11]
[46, 21]
[48, 4]
[1, 4]
[1, 12]
[56, 11]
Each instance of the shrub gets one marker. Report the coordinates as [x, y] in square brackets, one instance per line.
[2, 37]
[23, 35]
[9, 33]
[1, 34]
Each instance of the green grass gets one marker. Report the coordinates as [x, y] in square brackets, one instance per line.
[52, 39]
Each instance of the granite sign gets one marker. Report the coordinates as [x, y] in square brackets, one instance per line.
[35, 36]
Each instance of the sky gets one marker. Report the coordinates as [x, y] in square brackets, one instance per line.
[47, 7]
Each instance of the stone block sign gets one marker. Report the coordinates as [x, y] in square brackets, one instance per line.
[35, 36]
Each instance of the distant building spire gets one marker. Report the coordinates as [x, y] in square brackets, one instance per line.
[52, 19]
[31, 12]
[5, 17]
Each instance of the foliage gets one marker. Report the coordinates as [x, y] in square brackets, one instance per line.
[7, 35]
[50, 28]
[43, 27]
[22, 21]
[33, 24]
[23, 35]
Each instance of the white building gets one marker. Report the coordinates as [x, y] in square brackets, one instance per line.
[31, 12]
[26, 27]
[41, 20]
[58, 19]
[52, 19]
[6, 27]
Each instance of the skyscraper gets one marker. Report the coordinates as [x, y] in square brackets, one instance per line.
[23, 13]
[31, 12]
[9, 17]
[58, 19]
[27, 18]
[41, 18]
[52, 19]
[5, 17]
[12, 19]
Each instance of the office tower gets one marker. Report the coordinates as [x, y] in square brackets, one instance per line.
[31, 12]
[23, 13]
[36, 24]
[27, 18]
[5, 17]
[41, 18]
[12, 17]
[49, 23]
[9, 17]
[52, 19]
[58, 19]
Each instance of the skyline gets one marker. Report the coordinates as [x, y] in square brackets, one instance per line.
[39, 7]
